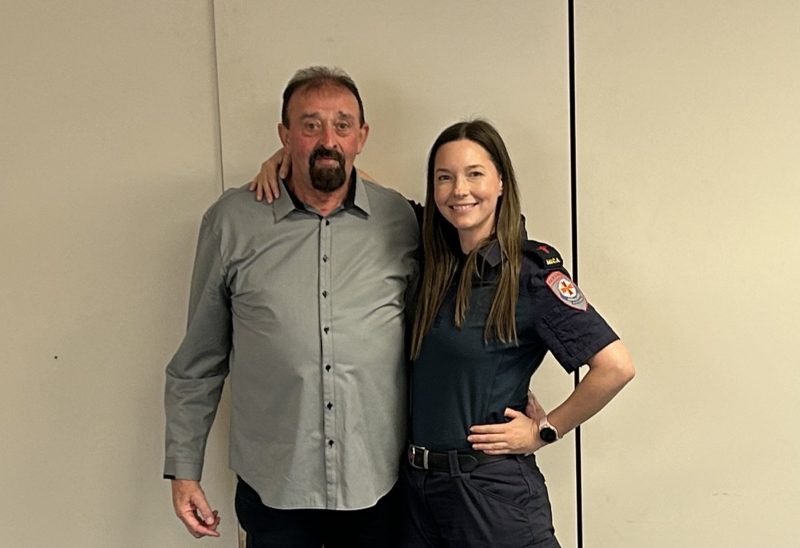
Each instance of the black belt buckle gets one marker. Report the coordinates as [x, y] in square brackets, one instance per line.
[414, 451]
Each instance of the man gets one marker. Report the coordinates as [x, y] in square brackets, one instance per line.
[302, 302]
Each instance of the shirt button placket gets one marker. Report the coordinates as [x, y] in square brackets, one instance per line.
[327, 368]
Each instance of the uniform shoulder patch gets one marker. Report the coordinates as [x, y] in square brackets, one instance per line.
[546, 255]
[566, 290]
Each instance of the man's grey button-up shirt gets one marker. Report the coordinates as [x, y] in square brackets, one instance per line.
[306, 314]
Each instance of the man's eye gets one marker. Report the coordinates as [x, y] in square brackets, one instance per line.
[311, 126]
[343, 127]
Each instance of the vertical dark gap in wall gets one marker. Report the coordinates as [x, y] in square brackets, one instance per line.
[574, 220]
[216, 91]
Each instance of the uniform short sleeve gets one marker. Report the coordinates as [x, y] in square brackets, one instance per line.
[569, 326]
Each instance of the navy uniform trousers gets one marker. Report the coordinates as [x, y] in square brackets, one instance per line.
[498, 504]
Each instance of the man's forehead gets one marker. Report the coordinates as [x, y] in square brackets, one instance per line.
[328, 91]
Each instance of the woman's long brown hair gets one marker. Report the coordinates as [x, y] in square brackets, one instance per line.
[440, 245]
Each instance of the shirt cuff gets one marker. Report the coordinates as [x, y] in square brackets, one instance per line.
[176, 469]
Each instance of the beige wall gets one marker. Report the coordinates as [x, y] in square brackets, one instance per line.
[689, 119]
[687, 133]
[109, 155]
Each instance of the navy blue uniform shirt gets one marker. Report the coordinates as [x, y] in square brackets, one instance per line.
[459, 380]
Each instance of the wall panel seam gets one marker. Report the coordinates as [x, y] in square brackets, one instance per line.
[220, 155]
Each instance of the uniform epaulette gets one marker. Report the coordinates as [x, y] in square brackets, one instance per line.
[545, 255]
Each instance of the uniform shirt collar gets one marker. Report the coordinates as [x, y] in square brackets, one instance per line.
[491, 254]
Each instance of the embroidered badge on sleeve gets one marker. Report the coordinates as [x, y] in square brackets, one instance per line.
[566, 290]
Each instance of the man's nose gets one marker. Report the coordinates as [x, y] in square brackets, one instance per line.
[328, 137]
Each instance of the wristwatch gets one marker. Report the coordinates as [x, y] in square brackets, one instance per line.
[548, 432]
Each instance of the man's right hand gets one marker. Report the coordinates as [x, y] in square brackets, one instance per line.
[192, 508]
[533, 409]
[276, 167]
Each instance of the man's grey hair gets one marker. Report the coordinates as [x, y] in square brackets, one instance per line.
[316, 78]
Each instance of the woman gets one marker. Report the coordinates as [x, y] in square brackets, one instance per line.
[491, 304]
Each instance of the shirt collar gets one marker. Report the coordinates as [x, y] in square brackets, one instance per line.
[360, 197]
[491, 253]
[288, 201]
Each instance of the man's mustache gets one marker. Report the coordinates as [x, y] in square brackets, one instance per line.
[321, 152]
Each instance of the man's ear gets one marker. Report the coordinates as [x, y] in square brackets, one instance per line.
[362, 137]
[283, 133]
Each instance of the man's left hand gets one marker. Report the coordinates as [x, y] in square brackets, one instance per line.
[518, 436]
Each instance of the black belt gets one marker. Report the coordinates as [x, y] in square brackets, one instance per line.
[468, 460]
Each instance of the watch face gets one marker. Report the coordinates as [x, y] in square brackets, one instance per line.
[547, 434]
